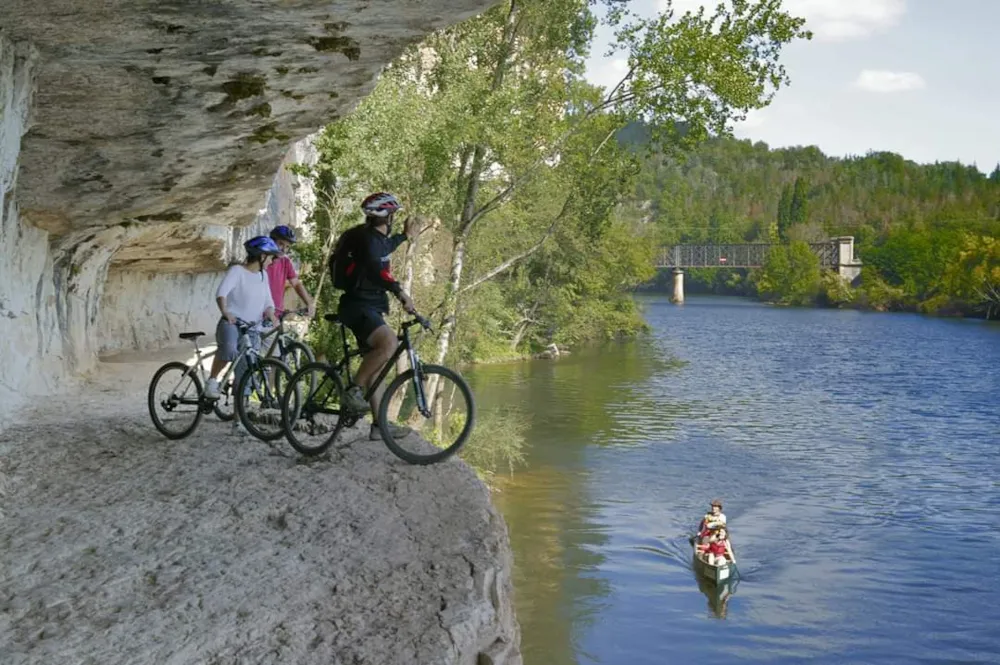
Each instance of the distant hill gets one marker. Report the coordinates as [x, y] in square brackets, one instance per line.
[732, 190]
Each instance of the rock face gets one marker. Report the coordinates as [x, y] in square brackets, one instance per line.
[122, 547]
[144, 309]
[146, 132]
[137, 140]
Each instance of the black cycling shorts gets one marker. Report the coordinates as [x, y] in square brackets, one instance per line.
[362, 320]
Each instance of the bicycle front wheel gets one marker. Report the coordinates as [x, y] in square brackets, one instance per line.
[428, 420]
[175, 400]
[258, 398]
[310, 409]
[297, 355]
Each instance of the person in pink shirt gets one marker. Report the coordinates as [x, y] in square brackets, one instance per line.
[281, 272]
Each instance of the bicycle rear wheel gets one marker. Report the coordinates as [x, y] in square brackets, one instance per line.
[438, 433]
[176, 390]
[310, 410]
[258, 398]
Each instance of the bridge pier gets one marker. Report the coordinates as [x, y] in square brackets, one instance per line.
[848, 267]
[678, 297]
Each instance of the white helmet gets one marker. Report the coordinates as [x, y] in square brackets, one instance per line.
[380, 204]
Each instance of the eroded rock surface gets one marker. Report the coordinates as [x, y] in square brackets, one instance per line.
[123, 547]
[163, 111]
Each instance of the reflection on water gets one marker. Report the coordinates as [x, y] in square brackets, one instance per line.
[718, 595]
[856, 453]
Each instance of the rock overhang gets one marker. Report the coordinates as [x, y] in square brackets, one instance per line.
[149, 114]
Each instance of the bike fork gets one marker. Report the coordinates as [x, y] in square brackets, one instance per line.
[418, 384]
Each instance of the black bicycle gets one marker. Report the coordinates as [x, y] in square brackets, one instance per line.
[431, 407]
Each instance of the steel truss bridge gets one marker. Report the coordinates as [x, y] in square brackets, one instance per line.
[749, 255]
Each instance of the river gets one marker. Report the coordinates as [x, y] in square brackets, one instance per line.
[858, 457]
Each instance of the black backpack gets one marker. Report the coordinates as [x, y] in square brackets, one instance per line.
[343, 268]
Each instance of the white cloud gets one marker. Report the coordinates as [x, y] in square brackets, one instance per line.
[755, 118]
[830, 20]
[883, 81]
[607, 72]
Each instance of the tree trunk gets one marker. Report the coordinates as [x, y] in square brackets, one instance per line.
[451, 298]
[522, 327]
[469, 216]
[519, 335]
[409, 260]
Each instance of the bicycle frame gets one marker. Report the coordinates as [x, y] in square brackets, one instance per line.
[404, 347]
[279, 334]
[343, 367]
[200, 370]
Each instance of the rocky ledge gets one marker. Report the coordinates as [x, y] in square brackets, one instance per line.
[123, 547]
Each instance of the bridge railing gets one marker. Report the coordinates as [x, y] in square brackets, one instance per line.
[746, 255]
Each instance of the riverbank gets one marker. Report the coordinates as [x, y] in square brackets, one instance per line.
[859, 303]
[123, 547]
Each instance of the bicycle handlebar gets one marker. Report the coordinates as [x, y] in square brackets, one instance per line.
[246, 326]
[417, 319]
[290, 312]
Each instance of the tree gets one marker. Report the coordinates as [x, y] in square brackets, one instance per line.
[490, 128]
[702, 72]
[784, 212]
[791, 275]
[798, 206]
[975, 276]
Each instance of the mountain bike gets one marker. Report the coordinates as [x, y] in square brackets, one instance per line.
[433, 402]
[178, 389]
[290, 350]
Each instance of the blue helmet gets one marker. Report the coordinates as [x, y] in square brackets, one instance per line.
[261, 245]
[283, 233]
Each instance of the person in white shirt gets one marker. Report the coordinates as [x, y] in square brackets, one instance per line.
[244, 294]
[712, 520]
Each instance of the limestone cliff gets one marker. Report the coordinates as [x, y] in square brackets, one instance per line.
[146, 132]
[138, 139]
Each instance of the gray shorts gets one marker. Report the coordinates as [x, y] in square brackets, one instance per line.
[226, 336]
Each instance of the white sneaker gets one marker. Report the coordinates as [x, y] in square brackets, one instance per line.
[238, 428]
[212, 389]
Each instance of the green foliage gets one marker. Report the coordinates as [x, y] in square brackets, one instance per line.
[876, 294]
[497, 443]
[798, 206]
[975, 277]
[691, 76]
[910, 222]
[791, 275]
[784, 212]
[915, 259]
[835, 291]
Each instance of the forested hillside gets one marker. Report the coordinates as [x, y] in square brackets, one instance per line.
[927, 233]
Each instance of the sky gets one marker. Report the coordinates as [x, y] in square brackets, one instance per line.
[917, 77]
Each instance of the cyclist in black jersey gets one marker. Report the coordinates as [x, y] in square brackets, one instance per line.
[363, 255]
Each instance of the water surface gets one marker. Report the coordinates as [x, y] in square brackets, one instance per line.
[857, 455]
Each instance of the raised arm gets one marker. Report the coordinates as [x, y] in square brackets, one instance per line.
[397, 240]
